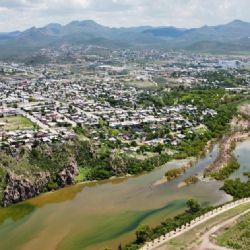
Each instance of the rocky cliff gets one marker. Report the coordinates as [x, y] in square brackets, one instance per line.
[20, 187]
[67, 176]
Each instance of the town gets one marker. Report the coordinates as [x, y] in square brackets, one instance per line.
[124, 125]
[101, 96]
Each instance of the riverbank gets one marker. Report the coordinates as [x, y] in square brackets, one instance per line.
[227, 145]
[183, 168]
[22, 187]
[239, 131]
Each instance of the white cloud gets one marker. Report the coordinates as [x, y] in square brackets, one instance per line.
[20, 14]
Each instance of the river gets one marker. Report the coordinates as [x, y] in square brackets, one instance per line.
[104, 214]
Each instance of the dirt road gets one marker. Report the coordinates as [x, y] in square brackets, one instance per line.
[207, 244]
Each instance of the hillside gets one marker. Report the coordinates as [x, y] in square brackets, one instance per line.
[231, 37]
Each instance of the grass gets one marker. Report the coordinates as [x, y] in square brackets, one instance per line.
[83, 172]
[18, 122]
[192, 237]
[201, 130]
[237, 236]
[140, 156]
[142, 84]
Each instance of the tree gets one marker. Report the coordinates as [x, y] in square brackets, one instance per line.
[193, 206]
[32, 99]
[133, 144]
[159, 148]
[143, 234]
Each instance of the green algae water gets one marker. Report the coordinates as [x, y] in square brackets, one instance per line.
[104, 214]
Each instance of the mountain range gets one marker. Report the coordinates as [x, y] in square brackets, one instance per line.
[231, 37]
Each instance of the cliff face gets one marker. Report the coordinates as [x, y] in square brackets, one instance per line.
[20, 188]
[67, 176]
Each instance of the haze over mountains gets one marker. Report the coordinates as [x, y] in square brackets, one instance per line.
[231, 37]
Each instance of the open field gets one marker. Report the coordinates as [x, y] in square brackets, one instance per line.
[15, 123]
[142, 84]
[237, 236]
[192, 238]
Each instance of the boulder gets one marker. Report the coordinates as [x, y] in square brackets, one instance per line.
[67, 175]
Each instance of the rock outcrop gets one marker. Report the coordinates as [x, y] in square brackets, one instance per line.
[67, 176]
[20, 188]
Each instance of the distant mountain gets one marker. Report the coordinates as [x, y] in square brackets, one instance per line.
[8, 36]
[166, 32]
[232, 31]
[233, 36]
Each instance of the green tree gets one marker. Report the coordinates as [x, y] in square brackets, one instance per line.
[193, 206]
[143, 234]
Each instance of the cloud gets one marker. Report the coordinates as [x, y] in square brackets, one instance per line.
[21, 14]
[17, 4]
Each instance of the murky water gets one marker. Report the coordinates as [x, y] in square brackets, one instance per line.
[242, 152]
[104, 214]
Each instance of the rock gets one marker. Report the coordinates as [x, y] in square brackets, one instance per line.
[67, 176]
[20, 188]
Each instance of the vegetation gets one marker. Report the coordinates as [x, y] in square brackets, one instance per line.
[190, 180]
[192, 236]
[236, 188]
[201, 97]
[16, 123]
[223, 78]
[32, 99]
[247, 174]
[226, 171]
[216, 126]
[174, 173]
[144, 233]
[108, 161]
[236, 236]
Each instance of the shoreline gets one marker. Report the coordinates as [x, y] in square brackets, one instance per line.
[190, 162]
[226, 148]
[239, 131]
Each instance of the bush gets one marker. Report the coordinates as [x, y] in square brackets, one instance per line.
[226, 171]
[236, 188]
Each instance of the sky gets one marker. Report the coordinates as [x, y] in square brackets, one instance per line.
[23, 14]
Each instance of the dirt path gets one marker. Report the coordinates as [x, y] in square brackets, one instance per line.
[207, 244]
[245, 109]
